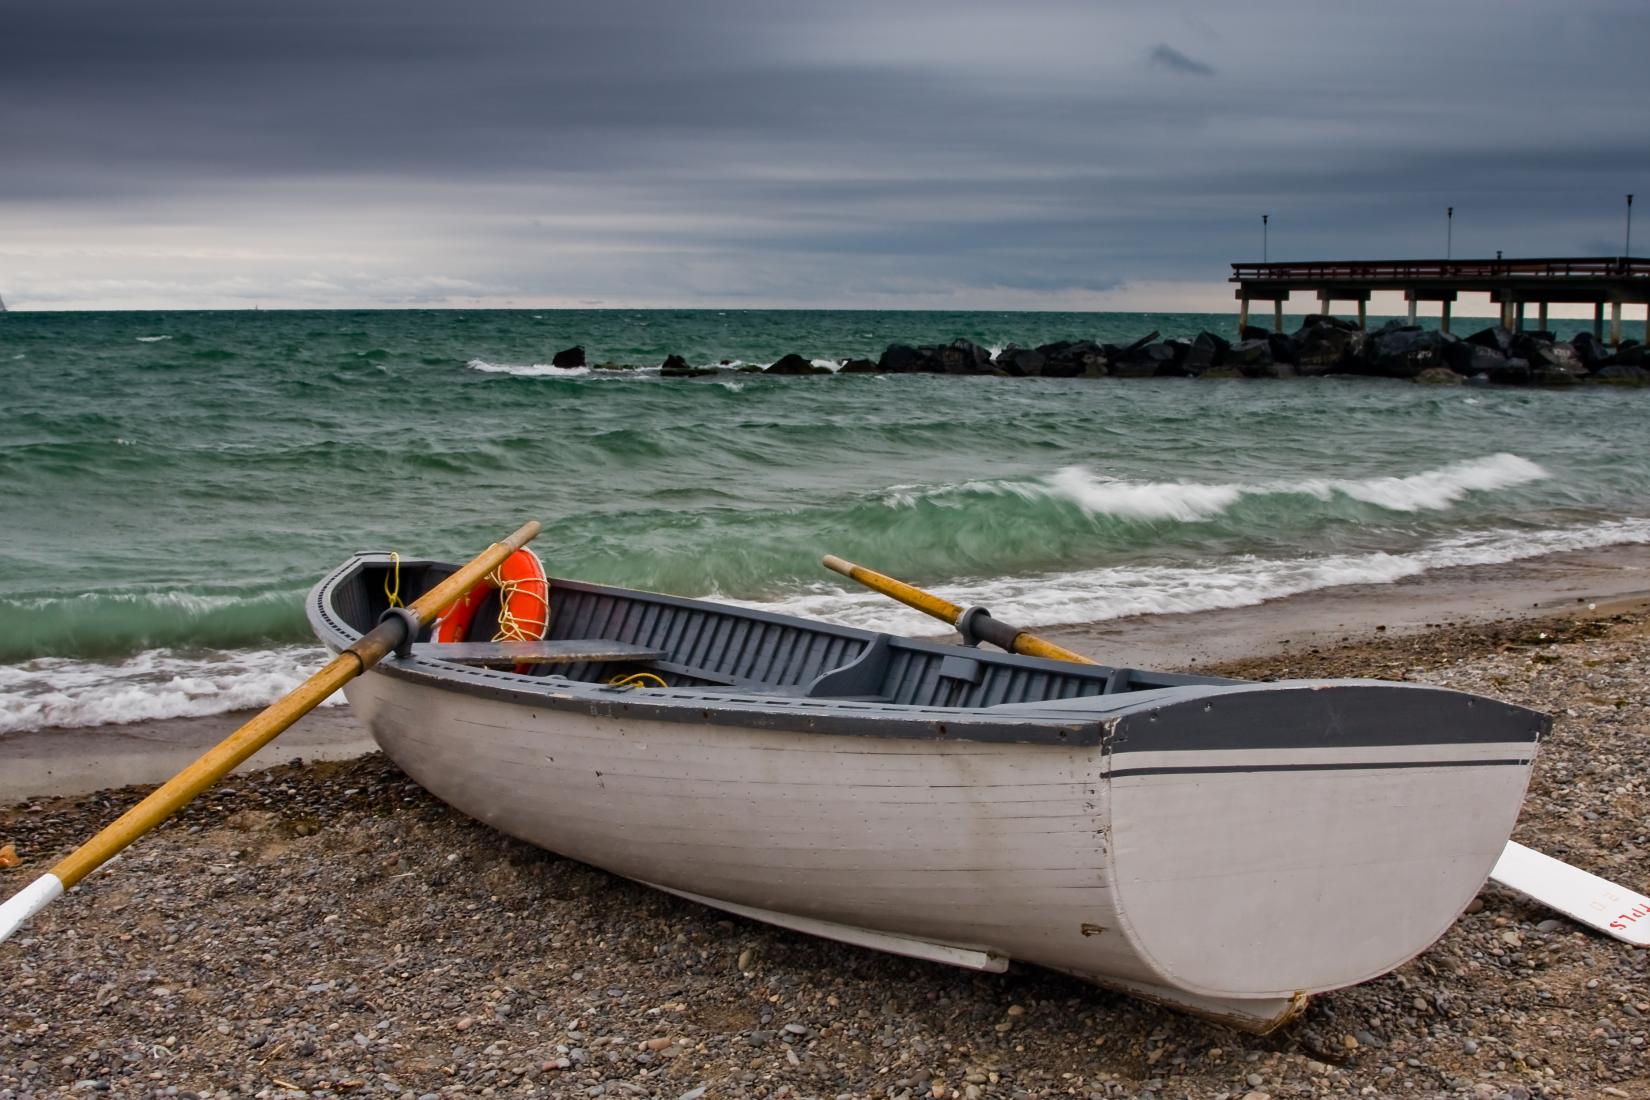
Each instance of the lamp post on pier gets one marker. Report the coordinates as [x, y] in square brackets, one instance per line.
[1627, 249]
[1265, 251]
[1449, 231]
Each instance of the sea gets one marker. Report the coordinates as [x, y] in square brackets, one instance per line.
[171, 484]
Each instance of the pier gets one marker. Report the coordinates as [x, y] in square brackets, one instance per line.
[1512, 284]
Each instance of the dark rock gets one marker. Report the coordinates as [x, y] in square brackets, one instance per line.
[1247, 354]
[1511, 372]
[1525, 346]
[1439, 376]
[1592, 353]
[1201, 355]
[1284, 349]
[1324, 320]
[1020, 362]
[1213, 340]
[1620, 374]
[1544, 374]
[1402, 351]
[964, 357]
[1496, 339]
[1253, 332]
[1322, 348]
[1629, 354]
[675, 366]
[795, 364]
[1169, 357]
[1139, 366]
[1467, 358]
[903, 359]
[569, 357]
[1140, 344]
[612, 366]
[1559, 357]
[859, 366]
[1071, 358]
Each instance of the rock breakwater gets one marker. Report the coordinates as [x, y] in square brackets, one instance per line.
[1321, 346]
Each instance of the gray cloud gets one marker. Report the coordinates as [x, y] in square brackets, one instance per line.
[1170, 58]
[740, 151]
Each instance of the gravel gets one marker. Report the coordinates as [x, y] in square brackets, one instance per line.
[331, 930]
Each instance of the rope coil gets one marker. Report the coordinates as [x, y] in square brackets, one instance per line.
[637, 680]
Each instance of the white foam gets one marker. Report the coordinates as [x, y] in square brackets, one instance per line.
[1190, 501]
[159, 683]
[528, 370]
[1118, 591]
[152, 339]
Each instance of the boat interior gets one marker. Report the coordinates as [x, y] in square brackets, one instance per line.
[603, 635]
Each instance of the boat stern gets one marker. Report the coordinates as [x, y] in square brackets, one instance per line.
[1273, 840]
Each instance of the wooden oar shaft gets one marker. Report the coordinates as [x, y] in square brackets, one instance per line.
[908, 594]
[1010, 638]
[218, 761]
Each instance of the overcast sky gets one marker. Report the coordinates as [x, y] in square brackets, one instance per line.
[891, 154]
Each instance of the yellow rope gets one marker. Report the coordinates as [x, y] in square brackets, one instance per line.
[637, 680]
[512, 628]
[394, 592]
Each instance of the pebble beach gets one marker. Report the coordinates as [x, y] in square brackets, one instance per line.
[327, 929]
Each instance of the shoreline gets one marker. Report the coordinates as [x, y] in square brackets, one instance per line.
[384, 942]
[74, 760]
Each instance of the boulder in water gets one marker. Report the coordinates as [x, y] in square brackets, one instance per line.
[795, 364]
[905, 359]
[1074, 358]
[1495, 338]
[963, 357]
[1018, 362]
[675, 366]
[1620, 374]
[568, 357]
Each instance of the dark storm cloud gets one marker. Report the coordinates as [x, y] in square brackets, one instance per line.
[737, 147]
[1170, 58]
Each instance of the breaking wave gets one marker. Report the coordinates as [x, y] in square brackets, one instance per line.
[1190, 502]
[159, 683]
[527, 370]
[1116, 592]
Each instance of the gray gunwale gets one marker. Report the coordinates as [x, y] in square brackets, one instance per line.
[1361, 713]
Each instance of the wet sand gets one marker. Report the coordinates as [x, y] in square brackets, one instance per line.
[1591, 582]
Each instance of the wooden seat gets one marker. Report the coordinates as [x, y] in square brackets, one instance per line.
[565, 651]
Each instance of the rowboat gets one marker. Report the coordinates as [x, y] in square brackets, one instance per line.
[1226, 847]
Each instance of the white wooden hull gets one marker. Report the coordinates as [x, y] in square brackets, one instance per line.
[1229, 882]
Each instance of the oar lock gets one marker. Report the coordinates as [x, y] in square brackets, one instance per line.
[409, 635]
[976, 625]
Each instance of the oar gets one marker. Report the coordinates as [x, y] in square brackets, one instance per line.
[254, 735]
[981, 625]
[1581, 896]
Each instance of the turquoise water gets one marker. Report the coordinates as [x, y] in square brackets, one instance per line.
[171, 483]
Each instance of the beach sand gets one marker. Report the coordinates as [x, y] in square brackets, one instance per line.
[329, 929]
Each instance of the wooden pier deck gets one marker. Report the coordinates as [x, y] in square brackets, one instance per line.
[1512, 284]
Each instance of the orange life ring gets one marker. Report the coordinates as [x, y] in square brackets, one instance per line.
[524, 603]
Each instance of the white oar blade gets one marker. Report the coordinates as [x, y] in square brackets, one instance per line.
[1593, 901]
[27, 902]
